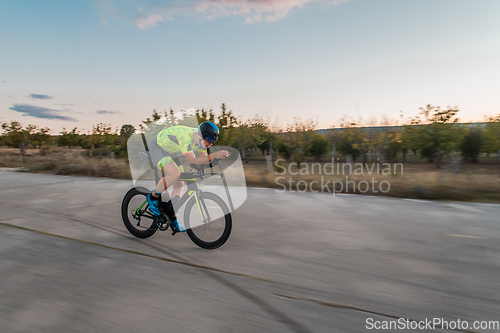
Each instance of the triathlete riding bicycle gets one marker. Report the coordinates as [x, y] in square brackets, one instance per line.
[165, 150]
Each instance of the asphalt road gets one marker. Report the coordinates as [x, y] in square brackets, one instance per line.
[294, 263]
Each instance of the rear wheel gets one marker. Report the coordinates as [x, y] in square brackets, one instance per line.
[209, 223]
[135, 213]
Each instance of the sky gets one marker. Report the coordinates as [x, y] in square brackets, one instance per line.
[78, 63]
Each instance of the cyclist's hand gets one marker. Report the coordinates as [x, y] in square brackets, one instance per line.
[220, 154]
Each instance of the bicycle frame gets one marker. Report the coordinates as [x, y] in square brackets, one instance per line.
[192, 189]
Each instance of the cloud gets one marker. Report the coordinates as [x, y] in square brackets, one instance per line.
[107, 112]
[38, 96]
[147, 20]
[64, 104]
[144, 14]
[40, 112]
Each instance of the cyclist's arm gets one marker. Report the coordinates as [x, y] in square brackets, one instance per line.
[204, 158]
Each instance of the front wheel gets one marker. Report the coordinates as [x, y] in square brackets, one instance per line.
[207, 220]
[136, 216]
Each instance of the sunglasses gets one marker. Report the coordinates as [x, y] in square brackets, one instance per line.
[210, 139]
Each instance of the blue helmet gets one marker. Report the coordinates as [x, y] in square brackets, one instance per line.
[208, 131]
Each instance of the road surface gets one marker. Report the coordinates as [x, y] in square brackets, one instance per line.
[294, 263]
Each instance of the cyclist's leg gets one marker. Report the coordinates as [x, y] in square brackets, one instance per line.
[177, 188]
[167, 160]
[156, 154]
[159, 197]
[170, 174]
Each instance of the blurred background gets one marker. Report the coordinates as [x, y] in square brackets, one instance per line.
[429, 156]
[369, 133]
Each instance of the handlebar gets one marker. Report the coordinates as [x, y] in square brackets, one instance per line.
[202, 167]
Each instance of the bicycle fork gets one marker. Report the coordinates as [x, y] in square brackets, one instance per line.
[204, 217]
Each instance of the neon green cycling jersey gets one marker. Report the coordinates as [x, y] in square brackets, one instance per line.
[177, 140]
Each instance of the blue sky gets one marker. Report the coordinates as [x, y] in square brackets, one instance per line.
[78, 63]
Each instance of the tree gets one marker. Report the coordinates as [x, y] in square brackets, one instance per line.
[298, 137]
[282, 147]
[334, 136]
[435, 132]
[126, 131]
[472, 143]
[492, 135]
[387, 141]
[17, 136]
[204, 115]
[347, 148]
[409, 138]
[242, 139]
[68, 139]
[41, 136]
[319, 146]
[101, 137]
[250, 135]
[228, 127]
[353, 140]
[155, 117]
[262, 131]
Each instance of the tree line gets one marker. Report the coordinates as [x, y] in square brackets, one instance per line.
[433, 134]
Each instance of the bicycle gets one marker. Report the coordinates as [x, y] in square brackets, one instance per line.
[207, 218]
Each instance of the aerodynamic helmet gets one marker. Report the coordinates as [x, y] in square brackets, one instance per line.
[208, 131]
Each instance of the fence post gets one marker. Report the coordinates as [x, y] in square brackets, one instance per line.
[22, 150]
[269, 159]
[381, 157]
[455, 162]
[348, 159]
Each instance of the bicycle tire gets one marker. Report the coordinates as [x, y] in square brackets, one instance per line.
[194, 233]
[143, 232]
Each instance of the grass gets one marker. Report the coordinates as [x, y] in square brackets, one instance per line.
[60, 162]
[477, 182]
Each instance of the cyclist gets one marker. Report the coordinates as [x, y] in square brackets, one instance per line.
[165, 150]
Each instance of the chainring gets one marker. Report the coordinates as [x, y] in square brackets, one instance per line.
[162, 222]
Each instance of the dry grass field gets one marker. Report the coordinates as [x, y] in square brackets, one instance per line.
[475, 182]
[62, 162]
[478, 182]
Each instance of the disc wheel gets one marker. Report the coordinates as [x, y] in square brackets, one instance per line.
[209, 224]
[136, 216]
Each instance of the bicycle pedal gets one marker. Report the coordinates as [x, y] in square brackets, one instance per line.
[174, 232]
